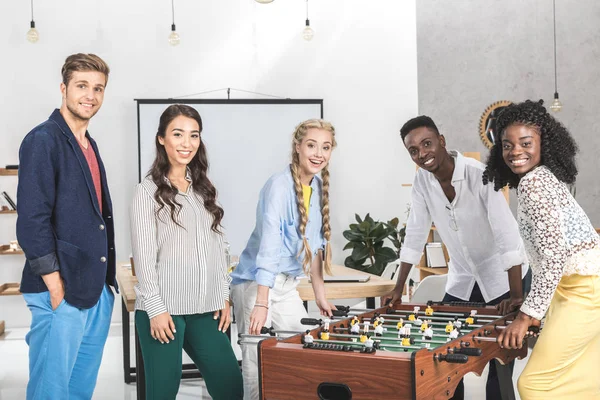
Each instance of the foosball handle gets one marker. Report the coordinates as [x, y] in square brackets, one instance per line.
[534, 329]
[468, 351]
[346, 309]
[452, 358]
[311, 321]
[264, 330]
[339, 313]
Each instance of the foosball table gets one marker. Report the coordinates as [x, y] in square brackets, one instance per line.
[409, 351]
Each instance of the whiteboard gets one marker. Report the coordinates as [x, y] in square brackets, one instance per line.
[246, 141]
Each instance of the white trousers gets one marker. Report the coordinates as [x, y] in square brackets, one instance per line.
[285, 312]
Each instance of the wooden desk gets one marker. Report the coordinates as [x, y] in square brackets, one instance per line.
[374, 287]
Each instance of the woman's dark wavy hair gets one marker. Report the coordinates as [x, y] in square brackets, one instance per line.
[558, 147]
[165, 193]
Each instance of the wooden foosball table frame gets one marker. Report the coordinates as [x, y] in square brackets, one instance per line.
[289, 371]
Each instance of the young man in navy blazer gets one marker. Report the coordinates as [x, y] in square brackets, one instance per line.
[65, 227]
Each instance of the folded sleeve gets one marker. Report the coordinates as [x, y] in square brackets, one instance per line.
[145, 251]
[36, 194]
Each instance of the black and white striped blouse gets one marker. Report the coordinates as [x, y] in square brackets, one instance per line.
[182, 270]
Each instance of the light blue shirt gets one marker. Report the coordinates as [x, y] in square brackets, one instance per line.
[275, 242]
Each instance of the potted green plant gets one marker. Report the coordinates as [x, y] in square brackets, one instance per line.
[366, 239]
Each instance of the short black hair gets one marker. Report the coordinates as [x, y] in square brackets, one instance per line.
[418, 122]
[558, 147]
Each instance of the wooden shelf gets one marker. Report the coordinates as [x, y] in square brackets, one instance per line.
[9, 172]
[8, 211]
[1, 328]
[6, 251]
[9, 289]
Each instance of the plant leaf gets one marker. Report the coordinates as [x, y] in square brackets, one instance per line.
[353, 236]
[360, 252]
[350, 245]
[358, 218]
[364, 226]
[385, 255]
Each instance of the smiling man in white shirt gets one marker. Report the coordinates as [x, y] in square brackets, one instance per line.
[487, 257]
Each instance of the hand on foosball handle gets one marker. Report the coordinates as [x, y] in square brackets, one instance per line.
[517, 331]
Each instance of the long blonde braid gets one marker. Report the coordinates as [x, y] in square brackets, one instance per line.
[299, 134]
[325, 214]
[303, 215]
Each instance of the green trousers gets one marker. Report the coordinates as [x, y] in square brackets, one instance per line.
[209, 348]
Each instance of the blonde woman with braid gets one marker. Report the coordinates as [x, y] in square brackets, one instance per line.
[290, 240]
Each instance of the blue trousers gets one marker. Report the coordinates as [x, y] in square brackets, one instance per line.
[65, 346]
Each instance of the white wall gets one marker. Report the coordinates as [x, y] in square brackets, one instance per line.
[362, 62]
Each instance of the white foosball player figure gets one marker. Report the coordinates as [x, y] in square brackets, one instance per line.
[308, 338]
[453, 335]
[457, 324]
[379, 329]
[366, 324]
[355, 326]
[428, 334]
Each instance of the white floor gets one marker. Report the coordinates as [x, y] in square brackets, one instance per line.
[14, 371]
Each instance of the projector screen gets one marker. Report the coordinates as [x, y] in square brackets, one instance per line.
[246, 141]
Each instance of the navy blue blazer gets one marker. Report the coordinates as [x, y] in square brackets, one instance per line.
[59, 224]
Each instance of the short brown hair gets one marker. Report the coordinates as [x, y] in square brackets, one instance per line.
[83, 62]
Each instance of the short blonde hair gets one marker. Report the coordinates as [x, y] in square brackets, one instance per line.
[83, 62]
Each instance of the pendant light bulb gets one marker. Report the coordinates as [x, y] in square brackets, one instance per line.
[556, 104]
[308, 32]
[264, 1]
[174, 38]
[32, 34]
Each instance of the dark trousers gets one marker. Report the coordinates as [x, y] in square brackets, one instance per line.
[492, 387]
[208, 347]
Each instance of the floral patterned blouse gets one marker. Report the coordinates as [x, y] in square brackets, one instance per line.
[558, 237]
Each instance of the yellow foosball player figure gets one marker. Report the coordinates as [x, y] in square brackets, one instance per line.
[429, 310]
[363, 338]
[470, 320]
[424, 326]
[406, 341]
[413, 317]
[324, 335]
[400, 324]
[449, 327]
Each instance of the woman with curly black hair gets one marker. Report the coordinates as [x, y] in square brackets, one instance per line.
[535, 154]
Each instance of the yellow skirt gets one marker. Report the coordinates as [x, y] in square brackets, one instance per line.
[565, 362]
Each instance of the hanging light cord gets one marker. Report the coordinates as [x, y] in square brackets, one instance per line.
[172, 10]
[306, 10]
[32, 10]
[554, 16]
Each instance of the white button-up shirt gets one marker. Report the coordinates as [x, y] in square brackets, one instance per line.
[477, 227]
